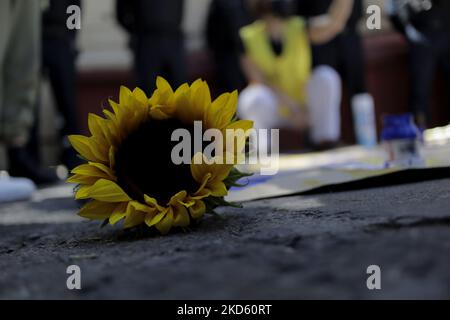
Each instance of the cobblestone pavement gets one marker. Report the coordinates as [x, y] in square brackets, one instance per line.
[315, 246]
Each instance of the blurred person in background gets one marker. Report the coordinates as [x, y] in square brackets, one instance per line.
[426, 26]
[284, 90]
[19, 83]
[156, 39]
[225, 18]
[58, 65]
[337, 44]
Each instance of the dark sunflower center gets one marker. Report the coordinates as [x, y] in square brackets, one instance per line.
[144, 164]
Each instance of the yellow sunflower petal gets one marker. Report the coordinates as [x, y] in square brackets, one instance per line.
[201, 193]
[107, 191]
[114, 105]
[198, 209]
[108, 171]
[177, 198]
[230, 108]
[90, 170]
[111, 156]
[217, 169]
[206, 178]
[221, 171]
[166, 223]
[241, 124]
[97, 210]
[160, 112]
[118, 213]
[183, 89]
[94, 124]
[142, 207]
[151, 219]
[99, 149]
[140, 96]
[102, 128]
[211, 113]
[197, 168]
[181, 216]
[163, 85]
[183, 111]
[222, 116]
[196, 85]
[80, 179]
[218, 189]
[82, 192]
[83, 146]
[134, 218]
[164, 97]
[187, 202]
[124, 95]
[235, 135]
[152, 202]
[200, 99]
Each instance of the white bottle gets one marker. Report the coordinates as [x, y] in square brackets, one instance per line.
[364, 119]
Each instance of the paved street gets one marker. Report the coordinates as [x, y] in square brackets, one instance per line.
[315, 246]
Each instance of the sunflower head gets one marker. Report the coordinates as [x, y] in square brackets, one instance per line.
[129, 172]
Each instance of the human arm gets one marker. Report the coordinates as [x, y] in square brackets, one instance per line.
[325, 27]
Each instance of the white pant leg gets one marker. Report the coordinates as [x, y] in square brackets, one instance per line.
[324, 100]
[257, 102]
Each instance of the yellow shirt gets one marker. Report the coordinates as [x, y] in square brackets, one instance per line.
[289, 71]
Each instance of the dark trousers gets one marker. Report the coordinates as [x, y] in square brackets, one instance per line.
[58, 63]
[344, 54]
[229, 73]
[423, 61]
[159, 55]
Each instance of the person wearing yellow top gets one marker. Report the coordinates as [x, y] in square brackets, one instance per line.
[284, 90]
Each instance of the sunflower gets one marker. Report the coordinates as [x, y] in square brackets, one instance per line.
[129, 175]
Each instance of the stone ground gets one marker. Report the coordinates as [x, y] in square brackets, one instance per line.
[314, 246]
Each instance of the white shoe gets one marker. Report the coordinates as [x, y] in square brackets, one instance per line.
[15, 189]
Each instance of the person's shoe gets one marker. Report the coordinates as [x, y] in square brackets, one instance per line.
[15, 189]
[22, 165]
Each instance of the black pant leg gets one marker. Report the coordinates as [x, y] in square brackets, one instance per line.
[175, 63]
[422, 68]
[326, 54]
[59, 62]
[444, 59]
[352, 62]
[229, 71]
[148, 62]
